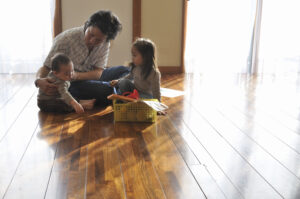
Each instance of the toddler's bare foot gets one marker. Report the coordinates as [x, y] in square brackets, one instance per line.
[88, 104]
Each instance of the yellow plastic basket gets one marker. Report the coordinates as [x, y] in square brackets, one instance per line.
[134, 112]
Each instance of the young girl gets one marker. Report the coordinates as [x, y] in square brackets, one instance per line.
[144, 75]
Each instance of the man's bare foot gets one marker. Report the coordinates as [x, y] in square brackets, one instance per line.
[87, 104]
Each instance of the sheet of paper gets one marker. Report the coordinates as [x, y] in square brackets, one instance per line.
[158, 106]
[167, 92]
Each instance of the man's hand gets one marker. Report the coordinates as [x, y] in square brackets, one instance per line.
[47, 86]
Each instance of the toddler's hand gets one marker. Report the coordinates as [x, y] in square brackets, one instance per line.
[77, 107]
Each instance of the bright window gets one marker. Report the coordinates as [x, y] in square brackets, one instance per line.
[279, 51]
[26, 34]
[219, 35]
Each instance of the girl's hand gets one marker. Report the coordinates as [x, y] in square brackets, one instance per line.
[47, 86]
[161, 112]
[113, 82]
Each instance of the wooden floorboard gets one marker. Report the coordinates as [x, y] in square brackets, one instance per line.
[175, 176]
[10, 85]
[226, 152]
[230, 136]
[14, 103]
[136, 163]
[104, 166]
[37, 162]
[214, 181]
[190, 151]
[16, 135]
[68, 178]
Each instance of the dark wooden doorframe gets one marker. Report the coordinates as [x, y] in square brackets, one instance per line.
[136, 19]
[183, 34]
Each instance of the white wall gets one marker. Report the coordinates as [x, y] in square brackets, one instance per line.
[162, 23]
[76, 12]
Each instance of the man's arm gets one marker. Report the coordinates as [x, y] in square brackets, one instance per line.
[40, 76]
[42, 72]
[90, 75]
[43, 83]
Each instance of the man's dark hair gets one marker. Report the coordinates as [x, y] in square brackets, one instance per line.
[57, 60]
[106, 21]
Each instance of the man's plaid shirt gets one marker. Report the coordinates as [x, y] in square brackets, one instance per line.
[71, 43]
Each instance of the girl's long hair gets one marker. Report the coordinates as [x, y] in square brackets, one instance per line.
[148, 51]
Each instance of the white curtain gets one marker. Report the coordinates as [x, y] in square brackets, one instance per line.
[279, 51]
[219, 36]
[26, 34]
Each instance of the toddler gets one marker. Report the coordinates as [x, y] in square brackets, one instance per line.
[61, 75]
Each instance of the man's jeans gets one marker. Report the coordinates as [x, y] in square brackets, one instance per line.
[98, 89]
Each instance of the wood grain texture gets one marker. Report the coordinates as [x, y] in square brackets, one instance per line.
[140, 177]
[13, 122]
[36, 165]
[104, 176]
[226, 137]
[176, 178]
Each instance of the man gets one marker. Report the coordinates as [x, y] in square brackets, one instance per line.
[88, 48]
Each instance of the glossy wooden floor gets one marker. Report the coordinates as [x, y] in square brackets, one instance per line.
[228, 137]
